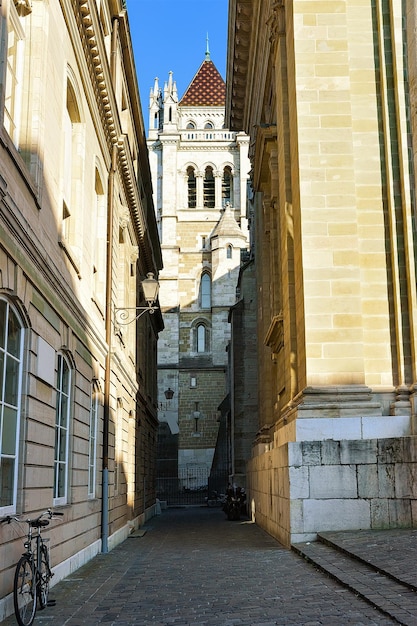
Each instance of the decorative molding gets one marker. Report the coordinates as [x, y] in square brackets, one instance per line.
[23, 7]
[275, 336]
[276, 21]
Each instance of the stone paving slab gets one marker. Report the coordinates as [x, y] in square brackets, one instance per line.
[393, 551]
[395, 599]
[194, 567]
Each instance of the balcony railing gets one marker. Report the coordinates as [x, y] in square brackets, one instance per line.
[208, 135]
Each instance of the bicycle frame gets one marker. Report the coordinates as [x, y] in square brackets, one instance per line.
[33, 572]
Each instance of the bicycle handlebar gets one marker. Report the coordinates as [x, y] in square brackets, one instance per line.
[51, 514]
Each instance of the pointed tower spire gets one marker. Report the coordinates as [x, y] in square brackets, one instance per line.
[207, 49]
[154, 106]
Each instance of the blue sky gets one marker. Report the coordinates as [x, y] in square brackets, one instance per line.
[171, 35]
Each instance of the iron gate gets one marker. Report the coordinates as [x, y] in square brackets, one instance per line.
[192, 486]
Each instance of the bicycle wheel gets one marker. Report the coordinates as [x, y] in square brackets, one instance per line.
[24, 591]
[44, 575]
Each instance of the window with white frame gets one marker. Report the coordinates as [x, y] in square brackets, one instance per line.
[92, 447]
[14, 75]
[11, 358]
[62, 428]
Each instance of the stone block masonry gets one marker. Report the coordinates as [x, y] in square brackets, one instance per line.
[334, 485]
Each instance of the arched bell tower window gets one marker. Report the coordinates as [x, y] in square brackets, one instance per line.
[227, 186]
[192, 188]
[209, 188]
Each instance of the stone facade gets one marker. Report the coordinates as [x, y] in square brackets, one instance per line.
[77, 235]
[199, 178]
[333, 183]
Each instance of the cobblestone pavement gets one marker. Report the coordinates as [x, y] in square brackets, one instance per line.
[193, 567]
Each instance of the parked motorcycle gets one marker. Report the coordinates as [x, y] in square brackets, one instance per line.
[215, 499]
[235, 503]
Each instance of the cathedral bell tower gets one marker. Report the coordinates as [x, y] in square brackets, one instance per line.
[199, 171]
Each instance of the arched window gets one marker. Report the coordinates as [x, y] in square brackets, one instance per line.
[99, 241]
[205, 291]
[190, 126]
[209, 188]
[71, 236]
[192, 188]
[11, 357]
[229, 251]
[227, 186]
[201, 338]
[208, 126]
[62, 427]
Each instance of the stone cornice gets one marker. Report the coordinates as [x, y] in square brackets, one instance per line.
[240, 24]
[85, 13]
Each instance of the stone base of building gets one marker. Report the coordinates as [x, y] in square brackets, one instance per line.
[351, 468]
[301, 488]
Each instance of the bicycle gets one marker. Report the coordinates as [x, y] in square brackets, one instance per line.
[33, 570]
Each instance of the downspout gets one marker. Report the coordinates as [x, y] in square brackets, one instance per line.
[108, 323]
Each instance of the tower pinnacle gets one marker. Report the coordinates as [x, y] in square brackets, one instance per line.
[207, 49]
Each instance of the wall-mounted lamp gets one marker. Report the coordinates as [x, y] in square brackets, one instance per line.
[169, 393]
[150, 287]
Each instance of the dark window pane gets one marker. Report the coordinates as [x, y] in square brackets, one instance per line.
[8, 439]
[14, 334]
[12, 381]
[6, 481]
[3, 311]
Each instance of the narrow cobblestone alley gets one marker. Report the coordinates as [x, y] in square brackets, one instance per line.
[192, 566]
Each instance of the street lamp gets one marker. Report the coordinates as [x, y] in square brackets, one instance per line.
[169, 393]
[150, 287]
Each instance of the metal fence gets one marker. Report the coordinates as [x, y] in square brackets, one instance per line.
[192, 486]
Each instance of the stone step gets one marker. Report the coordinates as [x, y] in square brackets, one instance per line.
[396, 599]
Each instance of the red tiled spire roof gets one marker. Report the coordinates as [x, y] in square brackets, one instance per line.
[207, 87]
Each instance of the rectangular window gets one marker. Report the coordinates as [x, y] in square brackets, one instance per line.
[15, 52]
[11, 347]
[62, 423]
[92, 448]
